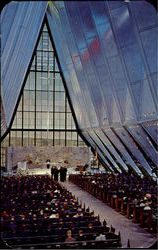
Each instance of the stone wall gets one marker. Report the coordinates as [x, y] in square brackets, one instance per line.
[36, 157]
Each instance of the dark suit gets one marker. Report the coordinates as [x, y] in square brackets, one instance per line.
[56, 172]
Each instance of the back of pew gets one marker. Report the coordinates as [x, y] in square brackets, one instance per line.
[91, 244]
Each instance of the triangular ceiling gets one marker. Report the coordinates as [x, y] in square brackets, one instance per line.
[19, 20]
[20, 30]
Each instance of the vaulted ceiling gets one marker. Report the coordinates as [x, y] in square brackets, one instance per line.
[107, 53]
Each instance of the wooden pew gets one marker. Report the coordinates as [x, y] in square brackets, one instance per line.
[108, 198]
[122, 210]
[136, 213]
[104, 196]
[148, 214]
[117, 204]
[90, 244]
[128, 209]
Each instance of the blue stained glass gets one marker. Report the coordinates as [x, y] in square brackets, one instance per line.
[121, 96]
[145, 14]
[88, 25]
[101, 146]
[122, 21]
[6, 23]
[144, 141]
[129, 142]
[77, 31]
[17, 47]
[114, 4]
[122, 149]
[109, 102]
[117, 72]
[98, 58]
[111, 148]
[96, 96]
[106, 36]
[98, 150]
[150, 42]
[148, 109]
[134, 63]
[87, 100]
[115, 113]
[99, 10]
[129, 114]
[152, 129]
[65, 20]
[105, 80]
[90, 40]
[103, 28]
[94, 47]
[136, 91]
[154, 78]
[72, 48]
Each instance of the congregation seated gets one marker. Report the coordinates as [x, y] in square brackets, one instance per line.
[44, 211]
[121, 190]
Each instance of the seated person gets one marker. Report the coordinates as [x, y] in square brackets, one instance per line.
[78, 215]
[96, 221]
[81, 236]
[90, 232]
[147, 207]
[54, 216]
[111, 234]
[69, 237]
[35, 229]
[49, 230]
[24, 232]
[12, 232]
[142, 204]
[100, 237]
[67, 218]
[60, 231]
[73, 229]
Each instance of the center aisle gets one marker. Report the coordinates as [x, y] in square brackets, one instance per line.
[139, 238]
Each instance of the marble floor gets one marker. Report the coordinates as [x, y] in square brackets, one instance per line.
[139, 238]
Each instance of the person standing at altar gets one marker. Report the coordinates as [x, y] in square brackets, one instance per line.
[52, 172]
[56, 172]
[48, 164]
[64, 173]
[61, 174]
